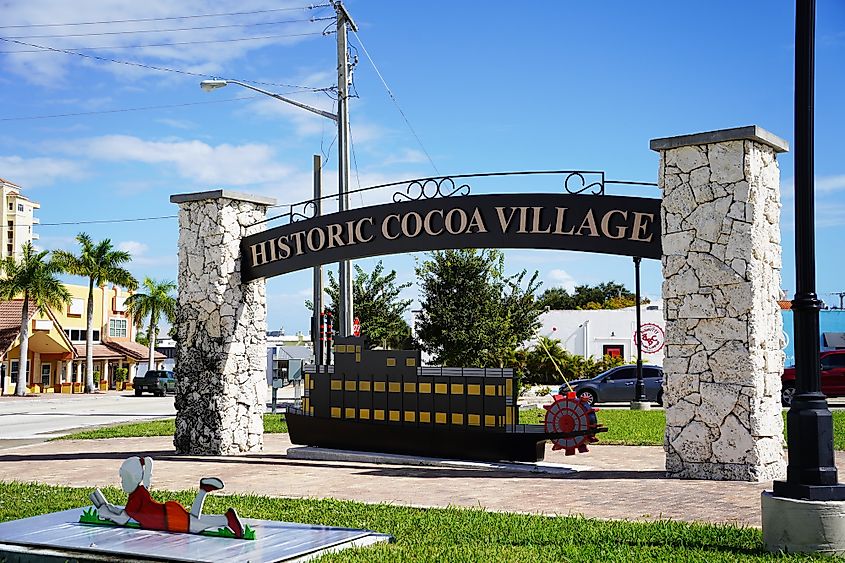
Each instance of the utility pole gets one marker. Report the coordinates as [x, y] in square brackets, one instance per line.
[345, 305]
[316, 336]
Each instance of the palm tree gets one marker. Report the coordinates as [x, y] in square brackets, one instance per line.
[101, 264]
[156, 301]
[36, 279]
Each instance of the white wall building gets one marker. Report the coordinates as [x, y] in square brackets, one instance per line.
[17, 216]
[607, 332]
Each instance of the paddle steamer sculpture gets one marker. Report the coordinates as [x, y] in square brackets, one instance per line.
[385, 401]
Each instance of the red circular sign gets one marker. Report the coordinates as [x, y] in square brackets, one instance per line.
[653, 338]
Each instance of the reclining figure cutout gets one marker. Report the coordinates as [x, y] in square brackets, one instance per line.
[141, 511]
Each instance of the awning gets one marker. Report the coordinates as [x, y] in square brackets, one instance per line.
[834, 340]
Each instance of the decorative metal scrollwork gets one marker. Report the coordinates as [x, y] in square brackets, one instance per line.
[430, 188]
[309, 210]
[593, 188]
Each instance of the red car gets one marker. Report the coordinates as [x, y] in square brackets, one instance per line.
[833, 377]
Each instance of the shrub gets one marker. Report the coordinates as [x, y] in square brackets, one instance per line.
[548, 364]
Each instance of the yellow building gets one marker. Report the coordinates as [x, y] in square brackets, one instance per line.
[16, 214]
[57, 341]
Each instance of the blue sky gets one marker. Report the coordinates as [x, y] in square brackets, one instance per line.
[487, 86]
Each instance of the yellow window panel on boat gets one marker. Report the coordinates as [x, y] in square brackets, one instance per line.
[457, 389]
[410, 362]
[410, 416]
[351, 385]
[335, 412]
[337, 385]
[350, 413]
[490, 390]
[440, 417]
[440, 388]
[394, 387]
[457, 418]
[410, 387]
[379, 386]
[394, 416]
[364, 414]
[425, 417]
[425, 387]
[378, 414]
[363, 386]
[391, 362]
[473, 389]
[473, 420]
[489, 420]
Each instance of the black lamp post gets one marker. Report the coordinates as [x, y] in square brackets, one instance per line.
[811, 473]
[639, 388]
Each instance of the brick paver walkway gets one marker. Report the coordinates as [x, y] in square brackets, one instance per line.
[621, 482]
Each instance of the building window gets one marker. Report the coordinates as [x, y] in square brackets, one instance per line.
[11, 206]
[117, 328]
[20, 207]
[16, 367]
[10, 248]
[78, 334]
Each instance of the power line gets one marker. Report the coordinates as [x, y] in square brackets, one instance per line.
[396, 102]
[131, 220]
[171, 30]
[311, 7]
[174, 44]
[122, 110]
[152, 67]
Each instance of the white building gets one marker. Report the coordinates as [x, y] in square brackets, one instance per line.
[17, 216]
[607, 332]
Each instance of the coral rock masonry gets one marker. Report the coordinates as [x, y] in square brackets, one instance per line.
[721, 268]
[220, 327]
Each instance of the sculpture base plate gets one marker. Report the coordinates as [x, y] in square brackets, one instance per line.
[58, 536]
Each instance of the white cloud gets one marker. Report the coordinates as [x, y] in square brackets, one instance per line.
[38, 172]
[560, 278]
[133, 247]
[199, 162]
[208, 58]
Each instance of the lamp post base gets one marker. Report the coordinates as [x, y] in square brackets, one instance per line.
[640, 406]
[803, 526]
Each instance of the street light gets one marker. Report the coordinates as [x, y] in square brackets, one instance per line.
[209, 85]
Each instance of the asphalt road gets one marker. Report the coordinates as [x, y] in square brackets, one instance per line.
[40, 417]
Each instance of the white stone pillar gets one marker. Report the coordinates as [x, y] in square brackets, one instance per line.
[721, 267]
[132, 367]
[104, 376]
[221, 327]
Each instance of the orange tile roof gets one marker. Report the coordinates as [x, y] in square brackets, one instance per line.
[100, 351]
[133, 350]
[10, 322]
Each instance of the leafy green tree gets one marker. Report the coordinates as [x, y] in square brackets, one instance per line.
[472, 313]
[608, 295]
[157, 301]
[34, 278]
[548, 363]
[377, 305]
[101, 264]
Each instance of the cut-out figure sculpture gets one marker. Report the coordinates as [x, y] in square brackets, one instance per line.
[170, 516]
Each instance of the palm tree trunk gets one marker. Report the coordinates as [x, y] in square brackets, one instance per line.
[89, 340]
[20, 388]
[152, 337]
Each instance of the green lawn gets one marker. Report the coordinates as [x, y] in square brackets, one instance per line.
[645, 428]
[625, 427]
[452, 534]
[273, 424]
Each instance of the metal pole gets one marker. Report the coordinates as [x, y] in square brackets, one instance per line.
[345, 306]
[318, 270]
[639, 389]
[811, 473]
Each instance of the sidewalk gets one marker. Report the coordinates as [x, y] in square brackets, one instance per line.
[620, 482]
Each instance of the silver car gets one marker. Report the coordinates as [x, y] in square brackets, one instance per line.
[617, 385]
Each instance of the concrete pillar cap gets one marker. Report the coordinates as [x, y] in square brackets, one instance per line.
[747, 133]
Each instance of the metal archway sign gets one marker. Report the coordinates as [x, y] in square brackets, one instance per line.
[628, 226]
